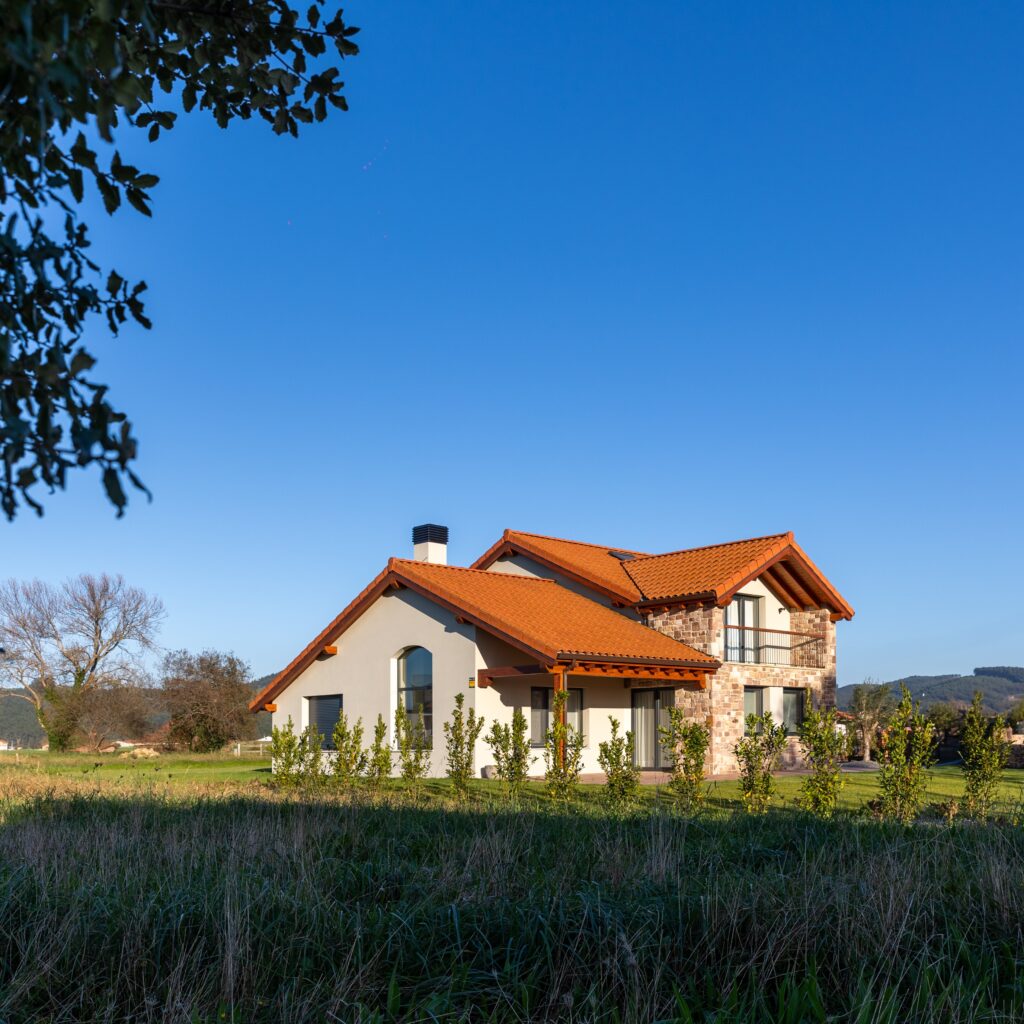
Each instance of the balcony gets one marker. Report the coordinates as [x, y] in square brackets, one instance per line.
[753, 646]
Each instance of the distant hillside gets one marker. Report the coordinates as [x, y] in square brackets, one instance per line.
[18, 723]
[1003, 686]
[19, 726]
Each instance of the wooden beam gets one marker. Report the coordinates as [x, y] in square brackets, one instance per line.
[270, 707]
[794, 585]
[665, 673]
[330, 650]
[779, 588]
[486, 676]
[558, 684]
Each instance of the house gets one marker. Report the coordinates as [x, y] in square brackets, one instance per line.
[720, 631]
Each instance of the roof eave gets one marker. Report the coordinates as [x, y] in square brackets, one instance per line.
[712, 665]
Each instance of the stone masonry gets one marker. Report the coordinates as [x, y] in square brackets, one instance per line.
[721, 705]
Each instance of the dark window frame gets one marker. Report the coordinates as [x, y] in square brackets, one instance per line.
[409, 692]
[548, 692]
[664, 698]
[759, 690]
[747, 633]
[313, 716]
[801, 696]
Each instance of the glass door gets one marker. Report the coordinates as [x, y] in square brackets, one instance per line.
[650, 712]
[741, 629]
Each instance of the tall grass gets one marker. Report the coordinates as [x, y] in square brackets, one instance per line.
[254, 907]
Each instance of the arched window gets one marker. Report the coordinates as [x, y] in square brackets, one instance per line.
[416, 685]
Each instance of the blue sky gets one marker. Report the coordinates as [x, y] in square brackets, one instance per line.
[653, 275]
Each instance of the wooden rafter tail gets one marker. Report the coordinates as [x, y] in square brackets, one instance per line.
[782, 590]
[803, 595]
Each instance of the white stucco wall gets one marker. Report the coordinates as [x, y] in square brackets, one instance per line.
[364, 671]
[774, 614]
[601, 698]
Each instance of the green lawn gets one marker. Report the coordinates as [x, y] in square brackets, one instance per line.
[184, 769]
[176, 769]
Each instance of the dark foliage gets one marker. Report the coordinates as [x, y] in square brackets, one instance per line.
[75, 70]
[1012, 673]
[206, 696]
[1001, 688]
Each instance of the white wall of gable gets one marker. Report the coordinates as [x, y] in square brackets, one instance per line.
[774, 614]
[364, 671]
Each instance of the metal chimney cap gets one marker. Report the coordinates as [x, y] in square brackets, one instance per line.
[430, 533]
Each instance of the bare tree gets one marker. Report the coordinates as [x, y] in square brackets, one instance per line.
[65, 643]
[870, 705]
[115, 712]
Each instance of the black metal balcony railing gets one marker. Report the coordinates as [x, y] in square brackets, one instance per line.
[774, 647]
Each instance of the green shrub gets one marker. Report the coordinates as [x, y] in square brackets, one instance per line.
[460, 735]
[825, 748]
[906, 751]
[686, 744]
[297, 760]
[284, 753]
[312, 769]
[349, 756]
[510, 747]
[758, 756]
[563, 752]
[985, 751]
[615, 756]
[378, 764]
[413, 746]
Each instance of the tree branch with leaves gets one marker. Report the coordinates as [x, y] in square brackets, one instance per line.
[74, 73]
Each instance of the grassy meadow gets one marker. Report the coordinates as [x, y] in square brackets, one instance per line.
[188, 889]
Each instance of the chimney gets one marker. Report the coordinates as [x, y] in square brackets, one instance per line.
[430, 543]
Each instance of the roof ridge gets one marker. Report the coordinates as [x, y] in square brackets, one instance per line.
[395, 560]
[722, 544]
[581, 543]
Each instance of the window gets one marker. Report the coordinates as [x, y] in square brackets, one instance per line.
[540, 713]
[753, 702]
[416, 686]
[650, 715]
[792, 709]
[742, 622]
[324, 713]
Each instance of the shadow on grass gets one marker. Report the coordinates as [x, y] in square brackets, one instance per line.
[270, 907]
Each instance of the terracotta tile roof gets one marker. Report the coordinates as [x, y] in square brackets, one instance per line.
[712, 572]
[708, 570]
[553, 621]
[589, 563]
[538, 615]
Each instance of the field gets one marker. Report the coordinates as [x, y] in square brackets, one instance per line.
[189, 890]
[177, 771]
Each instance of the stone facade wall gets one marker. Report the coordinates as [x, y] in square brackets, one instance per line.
[695, 702]
[721, 705]
[700, 628]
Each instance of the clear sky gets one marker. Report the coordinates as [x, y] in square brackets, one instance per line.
[653, 275]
